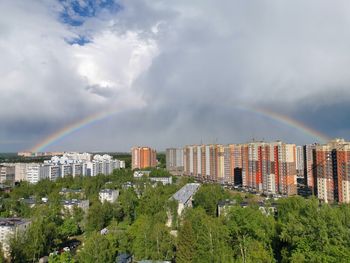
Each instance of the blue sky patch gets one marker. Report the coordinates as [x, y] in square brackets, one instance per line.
[76, 12]
[81, 40]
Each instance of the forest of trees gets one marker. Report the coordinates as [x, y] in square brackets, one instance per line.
[302, 230]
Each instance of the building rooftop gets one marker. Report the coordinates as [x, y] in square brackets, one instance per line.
[186, 192]
[29, 201]
[123, 258]
[13, 221]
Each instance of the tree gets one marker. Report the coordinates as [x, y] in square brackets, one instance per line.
[310, 232]
[64, 257]
[128, 202]
[151, 239]
[95, 218]
[185, 244]
[36, 241]
[208, 197]
[68, 228]
[211, 237]
[100, 215]
[251, 234]
[2, 257]
[17, 248]
[97, 248]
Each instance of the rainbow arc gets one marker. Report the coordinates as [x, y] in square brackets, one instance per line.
[89, 120]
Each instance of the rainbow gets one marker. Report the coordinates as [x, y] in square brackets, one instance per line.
[323, 138]
[73, 127]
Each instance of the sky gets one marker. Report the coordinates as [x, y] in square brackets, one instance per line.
[170, 73]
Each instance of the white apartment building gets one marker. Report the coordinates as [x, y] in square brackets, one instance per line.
[20, 172]
[70, 164]
[104, 164]
[33, 173]
[163, 180]
[7, 174]
[108, 195]
[184, 196]
[10, 227]
[78, 156]
[50, 171]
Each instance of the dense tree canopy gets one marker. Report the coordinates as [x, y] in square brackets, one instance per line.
[208, 197]
[302, 230]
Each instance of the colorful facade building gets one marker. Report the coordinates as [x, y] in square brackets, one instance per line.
[143, 157]
[264, 167]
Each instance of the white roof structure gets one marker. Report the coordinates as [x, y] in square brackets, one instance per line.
[186, 192]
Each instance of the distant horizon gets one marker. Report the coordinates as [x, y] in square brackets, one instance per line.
[164, 150]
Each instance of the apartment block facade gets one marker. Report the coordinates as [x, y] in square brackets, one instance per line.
[332, 171]
[7, 174]
[143, 157]
[10, 227]
[268, 167]
[174, 160]
[70, 164]
[310, 178]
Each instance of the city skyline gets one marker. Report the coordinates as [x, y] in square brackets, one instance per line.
[107, 75]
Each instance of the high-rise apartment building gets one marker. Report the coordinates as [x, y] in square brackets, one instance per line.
[287, 174]
[143, 157]
[70, 164]
[33, 173]
[310, 178]
[7, 174]
[268, 167]
[343, 172]
[174, 160]
[299, 161]
[332, 169]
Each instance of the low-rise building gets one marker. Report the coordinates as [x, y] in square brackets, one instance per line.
[70, 204]
[108, 195]
[139, 174]
[184, 196]
[163, 180]
[10, 227]
[225, 205]
[31, 202]
[124, 258]
[7, 174]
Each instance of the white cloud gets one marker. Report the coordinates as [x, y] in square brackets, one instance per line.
[43, 78]
[114, 60]
[186, 63]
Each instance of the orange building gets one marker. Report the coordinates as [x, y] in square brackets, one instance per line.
[143, 157]
[333, 172]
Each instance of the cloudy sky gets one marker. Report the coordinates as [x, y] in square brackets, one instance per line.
[172, 72]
